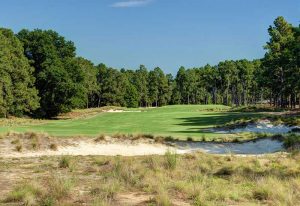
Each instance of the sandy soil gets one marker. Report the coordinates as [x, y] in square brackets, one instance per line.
[84, 148]
[42, 145]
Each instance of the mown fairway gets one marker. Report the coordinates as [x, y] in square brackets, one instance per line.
[177, 121]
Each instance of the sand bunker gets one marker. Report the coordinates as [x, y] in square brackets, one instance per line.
[120, 111]
[264, 126]
[84, 148]
[261, 146]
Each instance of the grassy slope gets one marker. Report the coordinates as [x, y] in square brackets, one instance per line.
[177, 121]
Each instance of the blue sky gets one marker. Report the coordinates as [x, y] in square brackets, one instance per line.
[165, 33]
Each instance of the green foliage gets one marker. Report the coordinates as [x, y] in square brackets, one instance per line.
[53, 78]
[58, 78]
[292, 141]
[17, 93]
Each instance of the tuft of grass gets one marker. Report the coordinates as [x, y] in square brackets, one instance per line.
[119, 136]
[25, 193]
[66, 162]
[169, 139]
[16, 141]
[148, 136]
[159, 139]
[59, 187]
[162, 198]
[170, 160]
[35, 143]
[100, 138]
[19, 147]
[53, 146]
[31, 135]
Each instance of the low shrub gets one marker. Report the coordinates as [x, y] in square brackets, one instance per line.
[292, 141]
[53, 146]
[190, 139]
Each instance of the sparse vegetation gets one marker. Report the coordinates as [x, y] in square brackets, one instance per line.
[195, 179]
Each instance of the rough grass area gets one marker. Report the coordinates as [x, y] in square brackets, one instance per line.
[194, 179]
[179, 121]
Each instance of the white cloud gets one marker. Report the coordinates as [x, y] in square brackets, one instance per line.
[131, 3]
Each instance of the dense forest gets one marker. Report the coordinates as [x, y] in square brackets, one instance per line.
[41, 76]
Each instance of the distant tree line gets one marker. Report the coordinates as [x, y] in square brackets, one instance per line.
[40, 75]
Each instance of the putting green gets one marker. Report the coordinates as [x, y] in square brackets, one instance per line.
[179, 121]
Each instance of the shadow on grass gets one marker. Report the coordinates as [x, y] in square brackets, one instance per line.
[206, 121]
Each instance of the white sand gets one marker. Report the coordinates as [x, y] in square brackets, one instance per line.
[261, 146]
[120, 111]
[264, 126]
[112, 149]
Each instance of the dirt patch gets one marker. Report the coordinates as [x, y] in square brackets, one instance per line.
[140, 199]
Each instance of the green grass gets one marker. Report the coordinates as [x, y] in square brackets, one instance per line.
[178, 121]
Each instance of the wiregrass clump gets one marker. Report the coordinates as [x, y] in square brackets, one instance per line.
[171, 179]
[170, 160]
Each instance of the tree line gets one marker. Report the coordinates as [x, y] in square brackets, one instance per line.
[41, 76]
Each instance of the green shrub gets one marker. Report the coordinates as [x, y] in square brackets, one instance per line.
[190, 139]
[292, 141]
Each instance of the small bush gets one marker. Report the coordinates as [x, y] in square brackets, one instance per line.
[148, 136]
[190, 139]
[169, 139]
[53, 146]
[19, 148]
[296, 129]
[292, 141]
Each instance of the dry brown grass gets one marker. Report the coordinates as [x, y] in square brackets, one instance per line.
[192, 179]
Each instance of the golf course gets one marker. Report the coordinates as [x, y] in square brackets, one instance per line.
[149, 103]
[178, 121]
